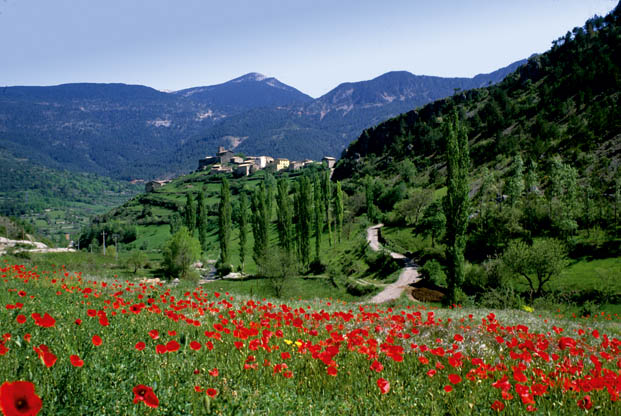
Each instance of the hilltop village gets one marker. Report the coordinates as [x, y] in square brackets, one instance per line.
[225, 161]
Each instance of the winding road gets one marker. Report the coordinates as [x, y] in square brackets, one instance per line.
[408, 275]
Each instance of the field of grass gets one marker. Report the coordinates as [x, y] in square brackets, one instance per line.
[106, 346]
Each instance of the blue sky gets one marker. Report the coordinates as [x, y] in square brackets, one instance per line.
[312, 45]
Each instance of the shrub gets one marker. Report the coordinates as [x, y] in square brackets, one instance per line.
[179, 253]
[432, 271]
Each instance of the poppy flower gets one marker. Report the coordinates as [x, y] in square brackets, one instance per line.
[19, 398]
[448, 388]
[585, 403]
[214, 372]
[145, 394]
[161, 349]
[3, 349]
[96, 340]
[45, 355]
[172, 346]
[377, 366]
[154, 334]
[140, 346]
[195, 345]
[498, 406]
[211, 392]
[383, 385]
[76, 361]
[21, 319]
[454, 378]
[332, 371]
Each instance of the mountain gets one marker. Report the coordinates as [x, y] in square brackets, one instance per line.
[564, 102]
[133, 131]
[246, 92]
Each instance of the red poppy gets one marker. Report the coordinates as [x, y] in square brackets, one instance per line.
[332, 371]
[214, 372]
[45, 355]
[211, 392]
[377, 366]
[195, 345]
[383, 385]
[3, 349]
[198, 389]
[454, 378]
[19, 398]
[145, 394]
[448, 388]
[161, 349]
[285, 355]
[45, 321]
[21, 319]
[140, 346]
[172, 333]
[154, 334]
[75, 361]
[96, 340]
[498, 406]
[172, 346]
[585, 403]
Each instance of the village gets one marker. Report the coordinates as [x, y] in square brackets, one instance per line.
[227, 162]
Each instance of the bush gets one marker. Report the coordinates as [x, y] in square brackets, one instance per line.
[382, 264]
[356, 289]
[432, 271]
[316, 267]
[475, 279]
[179, 253]
[223, 269]
[501, 298]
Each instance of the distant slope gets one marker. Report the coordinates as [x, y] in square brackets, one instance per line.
[132, 131]
[566, 101]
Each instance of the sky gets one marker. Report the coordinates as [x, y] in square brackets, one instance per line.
[312, 45]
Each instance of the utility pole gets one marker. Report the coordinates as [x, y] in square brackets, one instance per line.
[103, 233]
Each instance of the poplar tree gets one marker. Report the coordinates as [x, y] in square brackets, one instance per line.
[224, 223]
[284, 216]
[201, 220]
[339, 211]
[318, 216]
[515, 184]
[303, 205]
[270, 184]
[456, 204]
[259, 225]
[243, 225]
[190, 214]
[326, 194]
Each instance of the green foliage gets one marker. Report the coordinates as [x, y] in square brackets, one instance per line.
[303, 207]
[243, 229]
[433, 222]
[260, 224]
[318, 216]
[433, 272]
[201, 220]
[338, 210]
[136, 259]
[456, 203]
[284, 211]
[538, 263]
[224, 223]
[179, 253]
[190, 213]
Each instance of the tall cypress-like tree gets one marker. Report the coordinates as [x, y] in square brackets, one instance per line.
[270, 185]
[224, 223]
[284, 216]
[303, 206]
[339, 211]
[190, 213]
[259, 225]
[201, 220]
[243, 228]
[456, 204]
[318, 216]
[326, 194]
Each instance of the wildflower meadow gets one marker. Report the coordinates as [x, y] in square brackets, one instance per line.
[75, 345]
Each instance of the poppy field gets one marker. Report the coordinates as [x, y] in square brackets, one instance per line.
[72, 344]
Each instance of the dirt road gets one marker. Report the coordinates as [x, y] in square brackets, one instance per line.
[408, 275]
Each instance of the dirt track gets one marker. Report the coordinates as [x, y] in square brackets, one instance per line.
[408, 275]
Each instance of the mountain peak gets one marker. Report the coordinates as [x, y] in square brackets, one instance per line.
[251, 76]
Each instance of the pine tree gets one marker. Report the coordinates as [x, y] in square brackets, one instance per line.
[339, 211]
[456, 204]
[284, 216]
[243, 225]
[201, 220]
[224, 223]
[190, 214]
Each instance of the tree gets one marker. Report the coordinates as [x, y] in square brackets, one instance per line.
[259, 225]
[433, 222]
[326, 195]
[514, 186]
[303, 205]
[284, 224]
[136, 260]
[201, 220]
[412, 207]
[339, 211]
[179, 252]
[318, 217]
[243, 226]
[562, 196]
[456, 204]
[279, 268]
[372, 211]
[224, 223]
[190, 213]
[538, 263]
[175, 222]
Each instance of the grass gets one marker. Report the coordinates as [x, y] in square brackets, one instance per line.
[311, 356]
